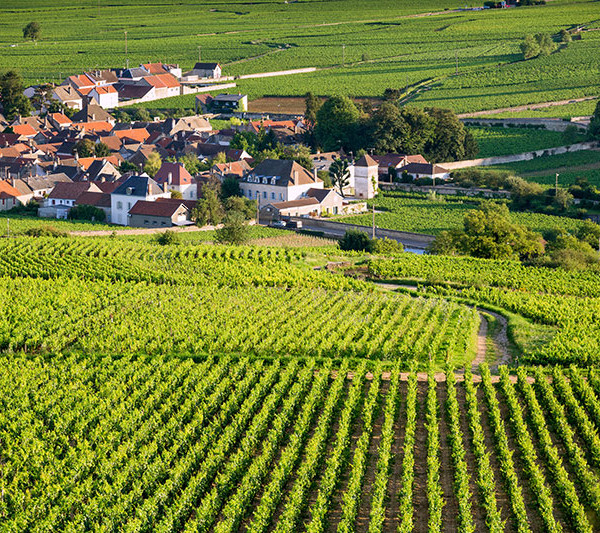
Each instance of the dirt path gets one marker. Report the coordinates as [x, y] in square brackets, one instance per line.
[527, 107]
[501, 342]
[481, 342]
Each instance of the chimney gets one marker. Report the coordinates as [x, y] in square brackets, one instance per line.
[165, 187]
[170, 178]
[148, 190]
[316, 176]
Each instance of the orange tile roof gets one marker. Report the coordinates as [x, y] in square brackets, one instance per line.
[81, 80]
[60, 118]
[8, 191]
[162, 80]
[24, 129]
[85, 162]
[154, 68]
[83, 91]
[138, 134]
[105, 89]
[98, 126]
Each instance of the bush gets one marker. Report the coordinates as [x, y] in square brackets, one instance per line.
[45, 231]
[166, 238]
[87, 212]
[356, 240]
[387, 246]
[234, 230]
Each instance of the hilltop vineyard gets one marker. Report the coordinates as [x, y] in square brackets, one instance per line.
[229, 444]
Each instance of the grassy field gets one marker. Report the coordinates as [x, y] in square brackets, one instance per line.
[578, 109]
[571, 167]
[414, 212]
[385, 45]
[505, 141]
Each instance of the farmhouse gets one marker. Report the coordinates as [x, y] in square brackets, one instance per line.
[100, 200]
[205, 70]
[175, 177]
[425, 170]
[276, 180]
[159, 214]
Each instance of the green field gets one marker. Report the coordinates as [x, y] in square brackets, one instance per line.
[385, 46]
[497, 141]
[579, 109]
[415, 212]
[570, 166]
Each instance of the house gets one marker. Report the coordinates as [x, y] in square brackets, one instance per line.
[161, 68]
[135, 188]
[229, 103]
[330, 202]
[132, 74]
[165, 85]
[278, 180]
[175, 177]
[129, 136]
[425, 170]
[236, 169]
[82, 83]
[140, 93]
[204, 70]
[92, 113]
[100, 200]
[106, 96]
[63, 197]
[194, 124]
[102, 77]
[102, 170]
[68, 96]
[59, 121]
[365, 175]
[146, 214]
[42, 186]
[307, 207]
[10, 197]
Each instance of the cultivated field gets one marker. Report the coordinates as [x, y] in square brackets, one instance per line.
[363, 48]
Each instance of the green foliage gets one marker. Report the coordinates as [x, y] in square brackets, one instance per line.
[101, 150]
[32, 31]
[44, 231]
[14, 102]
[234, 230]
[241, 204]
[230, 187]
[356, 240]
[339, 175]
[209, 209]
[312, 106]
[87, 212]
[84, 148]
[540, 45]
[338, 121]
[153, 164]
[387, 246]
[594, 127]
[167, 238]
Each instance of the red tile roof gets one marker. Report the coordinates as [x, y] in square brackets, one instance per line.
[179, 175]
[138, 135]
[7, 191]
[24, 129]
[162, 80]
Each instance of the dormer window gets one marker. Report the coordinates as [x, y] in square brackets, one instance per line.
[264, 181]
[273, 181]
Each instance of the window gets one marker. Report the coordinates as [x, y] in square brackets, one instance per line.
[265, 195]
[281, 196]
[119, 205]
[128, 205]
[272, 181]
[264, 181]
[53, 202]
[272, 196]
[257, 195]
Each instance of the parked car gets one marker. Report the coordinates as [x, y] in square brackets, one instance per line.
[278, 224]
[293, 224]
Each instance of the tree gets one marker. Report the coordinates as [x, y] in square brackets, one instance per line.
[594, 127]
[176, 195]
[11, 93]
[356, 240]
[142, 115]
[242, 205]
[84, 148]
[326, 178]
[387, 246]
[42, 96]
[219, 158]
[563, 199]
[337, 126]
[234, 230]
[209, 209]
[313, 104]
[300, 154]
[245, 140]
[230, 187]
[153, 164]
[589, 232]
[339, 174]
[102, 150]
[126, 166]
[530, 47]
[449, 136]
[191, 163]
[86, 212]
[571, 134]
[167, 238]
[546, 43]
[471, 146]
[565, 36]
[32, 31]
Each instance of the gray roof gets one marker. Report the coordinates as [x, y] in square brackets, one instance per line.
[285, 172]
[228, 97]
[205, 66]
[138, 186]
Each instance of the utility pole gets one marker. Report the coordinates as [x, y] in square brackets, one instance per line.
[373, 219]
[556, 186]
[126, 58]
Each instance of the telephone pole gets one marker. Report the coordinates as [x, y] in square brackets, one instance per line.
[556, 186]
[126, 56]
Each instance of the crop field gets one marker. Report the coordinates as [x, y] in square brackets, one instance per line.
[417, 213]
[496, 141]
[361, 48]
[567, 111]
[570, 166]
[155, 444]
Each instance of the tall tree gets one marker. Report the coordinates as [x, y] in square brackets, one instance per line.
[153, 164]
[84, 148]
[448, 140]
[313, 104]
[32, 31]
[339, 174]
[102, 150]
[11, 93]
[338, 122]
[530, 47]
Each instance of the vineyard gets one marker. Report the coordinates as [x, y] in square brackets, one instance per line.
[155, 444]
[419, 213]
[385, 44]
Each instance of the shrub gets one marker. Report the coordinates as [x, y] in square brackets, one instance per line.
[387, 246]
[356, 240]
[166, 238]
[45, 231]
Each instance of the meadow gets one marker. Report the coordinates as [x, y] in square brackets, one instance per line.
[361, 48]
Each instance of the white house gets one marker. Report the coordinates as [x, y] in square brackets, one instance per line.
[175, 177]
[425, 170]
[63, 197]
[366, 176]
[106, 96]
[124, 197]
[278, 180]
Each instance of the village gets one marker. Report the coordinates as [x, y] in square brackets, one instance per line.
[134, 173]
